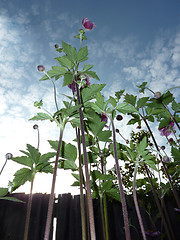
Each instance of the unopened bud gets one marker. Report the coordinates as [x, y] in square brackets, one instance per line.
[35, 126]
[119, 117]
[166, 159]
[157, 95]
[40, 68]
[9, 155]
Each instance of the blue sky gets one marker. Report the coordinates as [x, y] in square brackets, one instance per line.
[133, 41]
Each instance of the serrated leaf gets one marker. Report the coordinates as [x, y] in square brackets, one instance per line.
[119, 94]
[65, 62]
[82, 54]
[167, 98]
[106, 186]
[131, 99]
[126, 108]
[175, 106]
[112, 101]
[151, 164]
[21, 176]
[41, 117]
[87, 67]
[45, 157]
[90, 92]
[34, 153]
[70, 51]
[23, 160]
[68, 79]
[114, 194]
[142, 102]
[142, 146]
[92, 74]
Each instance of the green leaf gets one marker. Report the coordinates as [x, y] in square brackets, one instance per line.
[119, 94]
[82, 54]
[68, 79]
[92, 74]
[106, 186]
[163, 123]
[21, 176]
[151, 164]
[141, 146]
[13, 199]
[67, 164]
[131, 99]
[34, 153]
[70, 51]
[175, 153]
[41, 117]
[114, 194]
[142, 102]
[3, 192]
[65, 62]
[176, 106]
[126, 108]
[45, 157]
[87, 67]
[142, 86]
[68, 151]
[23, 160]
[104, 136]
[112, 101]
[167, 98]
[90, 92]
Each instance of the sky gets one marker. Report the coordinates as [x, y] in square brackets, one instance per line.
[133, 41]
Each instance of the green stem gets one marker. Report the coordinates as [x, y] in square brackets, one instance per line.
[123, 200]
[102, 217]
[28, 211]
[88, 185]
[51, 199]
[105, 216]
[136, 202]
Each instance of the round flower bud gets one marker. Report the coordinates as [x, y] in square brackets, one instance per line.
[56, 46]
[138, 127]
[119, 117]
[166, 159]
[40, 68]
[35, 126]
[127, 141]
[117, 130]
[163, 147]
[157, 95]
[9, 155]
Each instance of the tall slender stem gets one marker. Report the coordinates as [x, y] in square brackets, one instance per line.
[83, 219]
[51, 199]
[3, 166]
[123, 200]
[88, 185]
[136, 202]
[28, 211]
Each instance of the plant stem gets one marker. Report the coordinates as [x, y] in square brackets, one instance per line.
[3, 166]
[123, 200]
[164, 166]
[83, 221]
[136, 202]
[51, 199]
[28, 211]
[158, 204]
[105, 216]
[88, 185]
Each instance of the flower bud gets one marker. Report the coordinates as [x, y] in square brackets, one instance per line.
[163, 147]
[138, 127]
[35, 126]
[127, 141]
[166, 159]
[157, 95]
[88, 25]
[117, 130]
[9, 155]
[56, 46]
[40, 68]
[119, 117]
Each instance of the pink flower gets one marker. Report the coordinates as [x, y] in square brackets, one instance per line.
[166, 131]
[104, 117]
[88, 25]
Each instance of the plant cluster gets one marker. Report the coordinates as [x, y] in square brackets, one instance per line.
[93, 118]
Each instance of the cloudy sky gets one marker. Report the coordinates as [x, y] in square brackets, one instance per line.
[133, 41]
